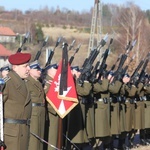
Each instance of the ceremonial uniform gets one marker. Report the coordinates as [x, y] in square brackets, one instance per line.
[17, 104]
[102, 112]
[76, 118]
[147, 112]
[115, 107]
[52, 129]
[139, 110]
[38, 113]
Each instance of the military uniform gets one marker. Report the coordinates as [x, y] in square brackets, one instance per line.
[38, 113]
[147, 112]
[128, 92]
[17, 111]
[115, 107]
[76, 118]
[140, 106]
[52, 129]
[102, 112]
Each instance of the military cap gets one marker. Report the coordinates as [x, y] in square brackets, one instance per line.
[126, 75]
[35, 65]
[5, 67]
[111, 73]
[75, 68]
[55, 66]
[19, 58]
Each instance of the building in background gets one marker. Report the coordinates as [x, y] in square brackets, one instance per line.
[7, 35]
[4, 54]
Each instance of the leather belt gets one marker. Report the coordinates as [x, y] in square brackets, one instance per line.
[38, 104]
[17, 121]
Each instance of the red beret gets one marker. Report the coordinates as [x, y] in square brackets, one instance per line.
[19, 58]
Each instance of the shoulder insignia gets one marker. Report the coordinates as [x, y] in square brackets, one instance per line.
[6, 78]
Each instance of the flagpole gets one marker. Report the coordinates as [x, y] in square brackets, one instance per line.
[62, 87]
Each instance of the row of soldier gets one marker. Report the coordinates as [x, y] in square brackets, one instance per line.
[106, 109]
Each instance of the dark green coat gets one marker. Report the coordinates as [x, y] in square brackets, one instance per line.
[38, 113]
[17, 105]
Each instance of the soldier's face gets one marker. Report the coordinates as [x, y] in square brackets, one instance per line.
[51, 72]
[4, 73]
[22, 70]
[35, 73]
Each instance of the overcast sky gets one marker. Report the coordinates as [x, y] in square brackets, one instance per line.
[78, 5]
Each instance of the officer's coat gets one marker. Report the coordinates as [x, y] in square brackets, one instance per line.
[17, 105]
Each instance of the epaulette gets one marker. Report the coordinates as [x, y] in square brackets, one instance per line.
[7, 78]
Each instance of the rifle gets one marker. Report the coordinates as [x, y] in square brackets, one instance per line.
[39, 52]
[87, 67]
[101, 66]
[72, 57]
[24, 41]
[118, 72]
[142, 73]
[52, 52]
[126, 67]
[135, 73]
[72, 44]
[2, 144]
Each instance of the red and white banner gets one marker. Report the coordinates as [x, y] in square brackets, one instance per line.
[64, 103]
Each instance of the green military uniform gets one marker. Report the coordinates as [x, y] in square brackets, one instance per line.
[76, 118]
[17, 105]
[38, 113]
[139, 111]
[115, 108]
[147, 105]
[129, 93]
[52, 129]
[102, 110]
[147, 112]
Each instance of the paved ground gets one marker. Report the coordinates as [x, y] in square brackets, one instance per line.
[136, 141]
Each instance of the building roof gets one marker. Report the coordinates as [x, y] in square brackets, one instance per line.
[6, 31]
[4, 51]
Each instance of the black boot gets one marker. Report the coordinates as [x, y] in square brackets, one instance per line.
[122, 145]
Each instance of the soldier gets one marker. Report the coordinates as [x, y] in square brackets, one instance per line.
[77, 131]
[114, 89]
[4, 70]
[17, 103]
[38, 106]
[139, 113]
[102, 112]
[147, 109]
[128, 90]
[52, 122]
